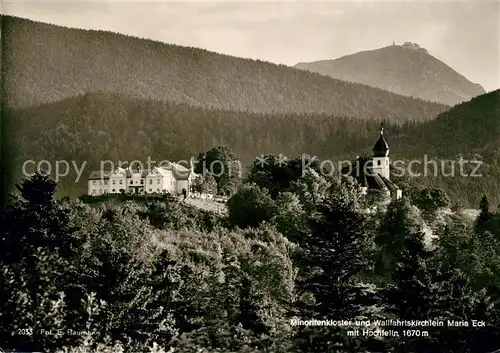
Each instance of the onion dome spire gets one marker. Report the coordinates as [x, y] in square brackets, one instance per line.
[381, 148]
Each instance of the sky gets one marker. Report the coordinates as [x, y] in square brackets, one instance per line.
[464, 35]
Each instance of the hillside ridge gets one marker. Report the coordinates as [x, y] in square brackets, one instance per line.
[84, 128]
[46, 63]
[406, 69]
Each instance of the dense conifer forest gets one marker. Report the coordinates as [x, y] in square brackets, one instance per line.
[156, 275]
[96, 127]
[45, 63]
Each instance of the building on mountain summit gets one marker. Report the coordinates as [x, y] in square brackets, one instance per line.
[415, 47]
[374, 173]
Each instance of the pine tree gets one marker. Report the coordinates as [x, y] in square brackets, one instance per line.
[413, 279]
[248, 311]
[335, 253]
[458, 301]
[413, 294]
[399, 223]
[484, 215]
[39, 251]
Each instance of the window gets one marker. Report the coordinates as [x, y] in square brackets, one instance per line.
[114, 182]
[158, 189]
[105, 182]
[114, 189]
[131, 182]
[142, 181]
[150, 181]
[150, 189]
[378, 162]
[94, 182]
[157, 181]
[121, 182]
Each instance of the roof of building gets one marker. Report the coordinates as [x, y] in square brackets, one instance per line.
[99, 175]
[366, 177]
[390, 185]
[164, 171]
[180, 172]
[143, 172]
[122, 171]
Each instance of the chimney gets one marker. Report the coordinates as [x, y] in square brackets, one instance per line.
[191, 164]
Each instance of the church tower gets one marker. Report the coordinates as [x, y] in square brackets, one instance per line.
[380, 160]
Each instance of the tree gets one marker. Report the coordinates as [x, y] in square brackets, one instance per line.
[413, 294]
[399, 223]
[484, 218]
[223, 165]
[205, 184]
[250, 206]
[429, 200]
[277, 173]
[40, 249]
[335, 253]
[451, 244]
[311, 189]
[459, 301]
[39, 190]
[290, 218]
[374, 197]
[458, 207]
[412, 280]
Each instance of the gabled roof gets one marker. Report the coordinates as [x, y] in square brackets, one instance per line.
[180, 172]
[160, 170]
[376, 182]
[131, 171]
[363, 173]
[121, 171]
[98, 175]
[390, 185]
[179, 167]
[164, 171]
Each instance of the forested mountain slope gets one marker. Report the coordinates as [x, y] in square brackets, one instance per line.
[99, 126]
[45, 63]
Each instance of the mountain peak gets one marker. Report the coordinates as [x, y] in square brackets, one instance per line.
[406, 69]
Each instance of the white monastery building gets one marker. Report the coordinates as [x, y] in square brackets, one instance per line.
[171, 178]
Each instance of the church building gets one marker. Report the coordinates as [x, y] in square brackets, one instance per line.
[374, 173]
